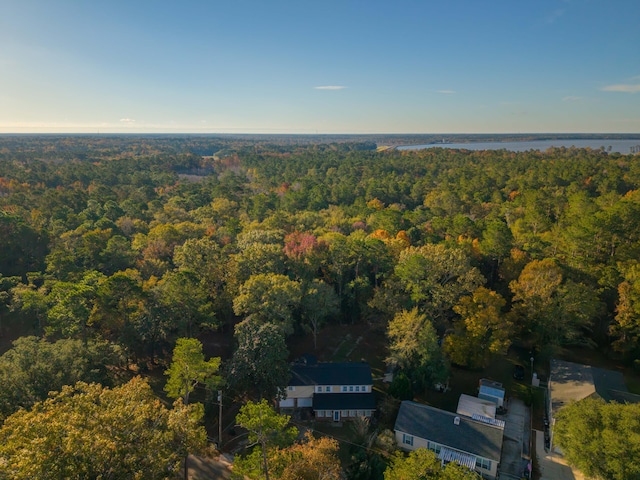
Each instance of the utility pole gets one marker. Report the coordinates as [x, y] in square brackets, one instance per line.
[219, 419]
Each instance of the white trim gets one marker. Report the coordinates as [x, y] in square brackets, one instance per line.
[464, 459]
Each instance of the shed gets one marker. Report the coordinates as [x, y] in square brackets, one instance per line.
[470, 406]
[492, 391]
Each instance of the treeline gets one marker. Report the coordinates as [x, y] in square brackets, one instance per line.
[455, 254]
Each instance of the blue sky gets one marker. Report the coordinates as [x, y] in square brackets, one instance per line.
[275, 66]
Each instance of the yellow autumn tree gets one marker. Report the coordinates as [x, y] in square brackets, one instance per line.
[87, 431]
[481, 329]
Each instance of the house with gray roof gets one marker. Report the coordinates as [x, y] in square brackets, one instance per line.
[473, 442]
[572, 382]
[333, 391]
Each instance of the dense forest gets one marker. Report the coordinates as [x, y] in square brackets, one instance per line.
[112, 249]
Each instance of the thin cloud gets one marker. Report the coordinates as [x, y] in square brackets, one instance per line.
[330, 87]
[446, 92]
[572, 98]
[127, 120]
[626, 88]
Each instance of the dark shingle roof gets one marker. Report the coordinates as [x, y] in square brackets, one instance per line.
[574, 381]
[331, 374]
[437, 425]
[611, 387]
[344, 401]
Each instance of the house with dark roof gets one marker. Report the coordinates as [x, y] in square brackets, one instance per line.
[572, 382]
[475, 443]
[333, 391]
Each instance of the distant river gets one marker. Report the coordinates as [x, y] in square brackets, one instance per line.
[620, 146]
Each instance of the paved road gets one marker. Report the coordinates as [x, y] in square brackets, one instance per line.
[553, 466]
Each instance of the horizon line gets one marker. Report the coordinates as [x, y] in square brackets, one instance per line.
[320, 133]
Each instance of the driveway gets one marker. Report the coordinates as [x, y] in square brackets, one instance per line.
[201, 468]
[515, 442]
[551, 465]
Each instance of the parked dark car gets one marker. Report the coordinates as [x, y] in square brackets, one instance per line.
[518, 372]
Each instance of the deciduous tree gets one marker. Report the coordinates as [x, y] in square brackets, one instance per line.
[626, 329]
[259, 364]
[601, 439]
[87, 431]
[481, 330]
[413, 347]
[269, 298]
[423, 464]
[435, 277]
[312, 458]
[555, 311]
[33, 367]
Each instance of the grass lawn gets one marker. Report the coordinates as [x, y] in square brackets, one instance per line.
[500, 369]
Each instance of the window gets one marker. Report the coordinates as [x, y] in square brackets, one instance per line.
[361, 413]
[483, 463]
[343, 388]
[357, 388]
[352, 413]
[318, 389]
[345, 413]
[351, 388]
[367, 413]
[435, 447]
[320, 413]
[291, 389]
[365, 388]
[327, 389]
[407, 439]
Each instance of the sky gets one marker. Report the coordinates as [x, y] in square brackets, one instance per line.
[298, 66]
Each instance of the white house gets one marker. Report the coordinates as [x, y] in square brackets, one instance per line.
[473, 443]
[334, 391]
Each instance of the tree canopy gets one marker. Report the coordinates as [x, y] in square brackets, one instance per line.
[88, 431]
[33, 367]
[259, 364]
[132, 242]
[423, 464]
[188, 369]
[600, 439]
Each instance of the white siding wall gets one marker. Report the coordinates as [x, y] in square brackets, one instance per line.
[422, 443]
[300, 392]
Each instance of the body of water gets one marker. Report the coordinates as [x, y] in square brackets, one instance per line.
[620, 146]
